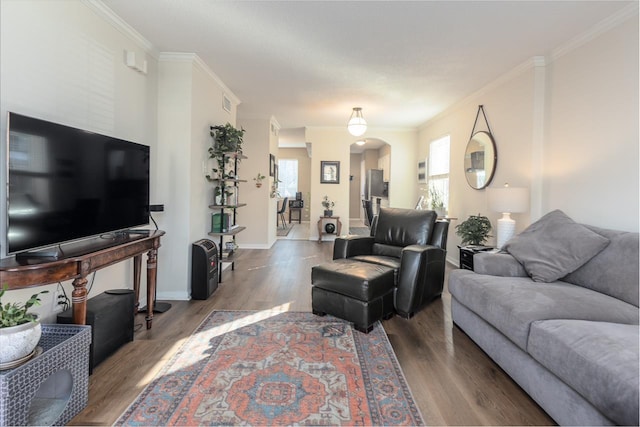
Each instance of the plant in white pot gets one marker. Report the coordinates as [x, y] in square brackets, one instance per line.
[20, 330]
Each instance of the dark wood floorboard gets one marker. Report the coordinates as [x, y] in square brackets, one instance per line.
[452, 380]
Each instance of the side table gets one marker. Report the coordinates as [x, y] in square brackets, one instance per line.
[321, 223]
[298, 211]
[467, 253]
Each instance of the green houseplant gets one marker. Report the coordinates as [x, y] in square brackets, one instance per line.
[226, 140]
[474, 230]
[20, 330]
[437, 202]
[258, 179]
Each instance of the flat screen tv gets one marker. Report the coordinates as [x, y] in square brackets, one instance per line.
[67, 184]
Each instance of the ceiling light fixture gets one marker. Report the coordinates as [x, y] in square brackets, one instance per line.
[361, 142]
[357, 124]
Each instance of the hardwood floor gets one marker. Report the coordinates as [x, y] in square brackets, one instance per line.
[452, 380]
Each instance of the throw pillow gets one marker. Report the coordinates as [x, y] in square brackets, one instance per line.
[554, 246]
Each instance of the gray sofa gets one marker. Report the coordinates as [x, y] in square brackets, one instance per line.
[571, 343]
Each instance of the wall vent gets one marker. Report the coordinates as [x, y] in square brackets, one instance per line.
[226, 103]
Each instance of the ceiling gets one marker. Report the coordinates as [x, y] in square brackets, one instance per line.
[308, 63]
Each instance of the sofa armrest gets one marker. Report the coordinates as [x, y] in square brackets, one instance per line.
[350, 246]
[498, 264]
[421, 277]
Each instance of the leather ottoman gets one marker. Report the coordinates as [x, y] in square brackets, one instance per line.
[355, 291]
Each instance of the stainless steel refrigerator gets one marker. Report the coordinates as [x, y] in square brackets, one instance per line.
[374, 184]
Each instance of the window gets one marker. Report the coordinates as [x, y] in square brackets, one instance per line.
[288, 177]
[438, 173]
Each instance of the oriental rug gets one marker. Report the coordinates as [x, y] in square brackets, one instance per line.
[278, 368]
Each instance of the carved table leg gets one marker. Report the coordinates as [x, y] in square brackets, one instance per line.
[137, 269]
[79, 300]
[151, 284]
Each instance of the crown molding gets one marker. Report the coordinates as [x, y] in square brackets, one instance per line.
[103, 11]
[601, 27]
[195, 59]
[598, 29]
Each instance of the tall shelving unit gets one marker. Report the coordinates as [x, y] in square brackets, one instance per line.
[226, 256]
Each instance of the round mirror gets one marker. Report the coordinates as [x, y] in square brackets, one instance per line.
[480, 160]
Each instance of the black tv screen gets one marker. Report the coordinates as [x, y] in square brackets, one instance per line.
[67, 184]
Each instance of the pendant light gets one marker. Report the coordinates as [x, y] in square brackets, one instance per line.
[357, 124]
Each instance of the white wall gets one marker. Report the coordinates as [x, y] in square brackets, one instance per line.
[190, 102]
[568, 130]
[62, 62]
[56, 73]
[259, 216]
[591, 149]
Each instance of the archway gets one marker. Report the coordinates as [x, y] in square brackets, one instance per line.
[369, 172]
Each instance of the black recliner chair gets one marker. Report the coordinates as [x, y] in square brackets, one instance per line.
[398, 269]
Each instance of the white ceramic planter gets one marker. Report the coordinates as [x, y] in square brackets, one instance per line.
[19, 341]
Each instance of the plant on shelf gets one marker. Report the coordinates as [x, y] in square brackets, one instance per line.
[226, 139]
[20, 331]
[221, 195]
[328, 205]
[258, 179]
[474, 230]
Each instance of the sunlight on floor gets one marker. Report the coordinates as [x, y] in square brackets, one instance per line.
[203, 346]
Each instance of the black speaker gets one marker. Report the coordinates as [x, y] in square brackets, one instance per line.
[204, 269]
[111, 316]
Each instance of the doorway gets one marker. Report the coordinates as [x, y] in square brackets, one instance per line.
[372, 155]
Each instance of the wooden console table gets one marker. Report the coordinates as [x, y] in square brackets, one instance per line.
[321, 223]
[83, 258]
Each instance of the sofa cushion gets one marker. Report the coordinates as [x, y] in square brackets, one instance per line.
[598, 360]
[554, 246]
[614, 271]
[511, 304]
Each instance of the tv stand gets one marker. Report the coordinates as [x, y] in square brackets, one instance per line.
[81, 259]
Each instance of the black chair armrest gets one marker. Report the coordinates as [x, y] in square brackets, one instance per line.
[421, 277]
[350, 246]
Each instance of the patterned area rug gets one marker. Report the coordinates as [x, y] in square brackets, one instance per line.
[278, 368]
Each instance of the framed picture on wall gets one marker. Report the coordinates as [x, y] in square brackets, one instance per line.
[422, 172]
[272, 165]
[329, 172]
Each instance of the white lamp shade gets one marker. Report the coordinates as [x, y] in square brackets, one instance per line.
[508, 199]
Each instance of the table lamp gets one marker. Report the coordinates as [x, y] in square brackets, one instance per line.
[507, 200]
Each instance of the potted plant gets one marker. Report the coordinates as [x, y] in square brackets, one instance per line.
[226, 139]
[258, 179]
[474, 230]
[328, 206]
[437, 203]
[20, 330]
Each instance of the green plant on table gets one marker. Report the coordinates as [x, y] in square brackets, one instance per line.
[474, 230]
[14, 314]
